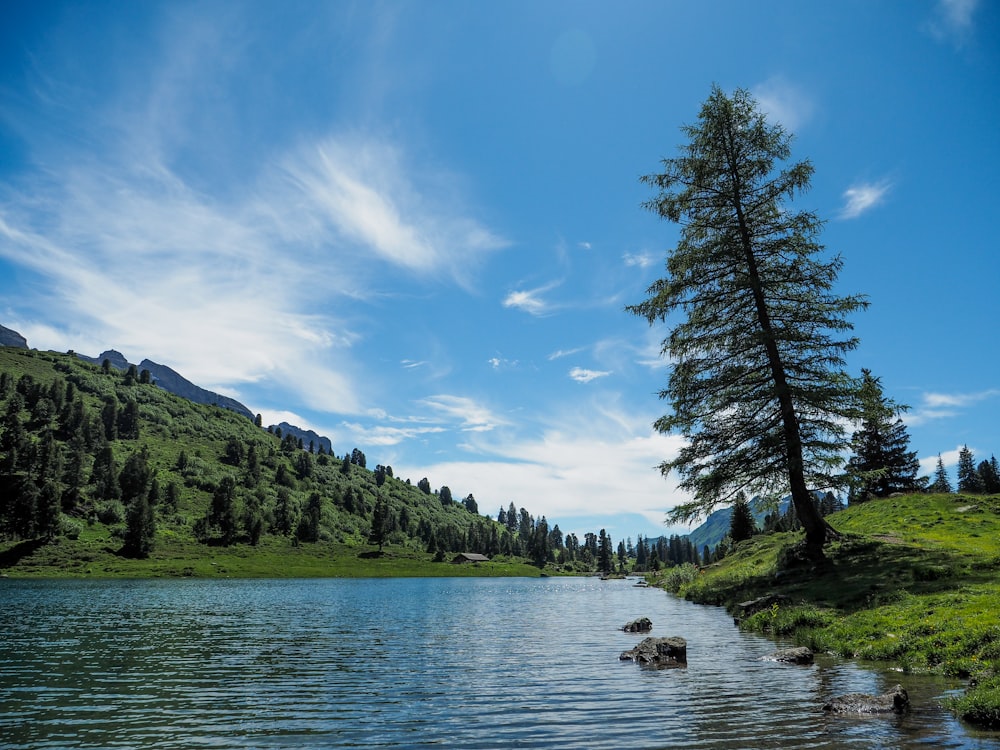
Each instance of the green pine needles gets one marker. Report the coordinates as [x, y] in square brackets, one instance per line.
[757, 336]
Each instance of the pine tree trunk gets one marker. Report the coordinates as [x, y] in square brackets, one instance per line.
[807, 513]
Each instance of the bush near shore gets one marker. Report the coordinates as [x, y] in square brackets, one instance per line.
[914, 581]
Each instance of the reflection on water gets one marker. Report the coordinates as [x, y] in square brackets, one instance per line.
[413, 663]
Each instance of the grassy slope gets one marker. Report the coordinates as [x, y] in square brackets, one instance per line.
[914, 581]
[171, 425]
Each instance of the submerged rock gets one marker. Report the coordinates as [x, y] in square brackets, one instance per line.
[895, 701]
[797, 655]
[658, 652]
[642, 625]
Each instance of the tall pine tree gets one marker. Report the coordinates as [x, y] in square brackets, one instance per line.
[757, 385]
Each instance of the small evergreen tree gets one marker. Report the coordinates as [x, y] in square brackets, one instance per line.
[380, 518]
[222, 512]
[286, 512]
[968, 477]
[444, 495]
[604, 553]
[140, 527]
[989, 476]
[940, 483]
[882, 463]
[741, 523]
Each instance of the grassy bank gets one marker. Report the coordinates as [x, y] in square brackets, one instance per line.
[915, 581]
[93, 554]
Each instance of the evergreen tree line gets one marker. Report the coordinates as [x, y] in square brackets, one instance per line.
[96, 445]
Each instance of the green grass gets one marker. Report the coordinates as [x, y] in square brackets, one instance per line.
[914, 582]
[94, 555]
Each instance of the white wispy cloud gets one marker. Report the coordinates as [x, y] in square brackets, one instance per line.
[531, 300]
[565, 473]
[560, 353]
[862, 197]
[935, 405]
[471, 415]
[583, 375]
[783, 102]
[502, 363]
[363, 190]
[382, 435]
[230, 283]
[642, 259]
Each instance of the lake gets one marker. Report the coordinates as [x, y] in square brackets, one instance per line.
[415, 663]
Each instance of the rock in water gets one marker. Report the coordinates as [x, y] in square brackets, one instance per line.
[798, 655]
[896, 701]
[642, 625]
[658, 652]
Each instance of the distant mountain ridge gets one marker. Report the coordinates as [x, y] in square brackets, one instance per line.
[171, 381]
[9, 337]
[306, 436]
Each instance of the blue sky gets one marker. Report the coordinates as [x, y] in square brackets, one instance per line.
[414, 226]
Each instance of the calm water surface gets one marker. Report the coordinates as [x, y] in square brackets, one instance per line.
[414, 663]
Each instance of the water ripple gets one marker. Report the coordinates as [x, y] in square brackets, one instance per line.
[424, 663]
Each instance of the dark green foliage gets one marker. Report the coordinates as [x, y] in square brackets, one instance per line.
[140, 527]
[104, 475]
[604, 552]
[380, 522]
[109, 418]
[253, 516]
[968, 477]
[424, 486]
[882, 462]
[444, 495]
[135, 476]
[309, 524]
[757, 384]
[989, 476]
[222, 516]
[286, 513]
[941, 482]
[234, 451]
[741, 523]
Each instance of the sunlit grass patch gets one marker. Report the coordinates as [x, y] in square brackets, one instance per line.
[914, 581]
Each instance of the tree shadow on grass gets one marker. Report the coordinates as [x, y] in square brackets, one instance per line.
[13, 555]
[859, 572]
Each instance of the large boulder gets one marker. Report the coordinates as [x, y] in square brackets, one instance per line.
[895, 701]
[658, 652]
[797, 655]
[642, 625]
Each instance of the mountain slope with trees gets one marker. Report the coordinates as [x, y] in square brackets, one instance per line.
[101, 471]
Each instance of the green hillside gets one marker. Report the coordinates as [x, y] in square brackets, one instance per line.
[914, 580]
[102, 473]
